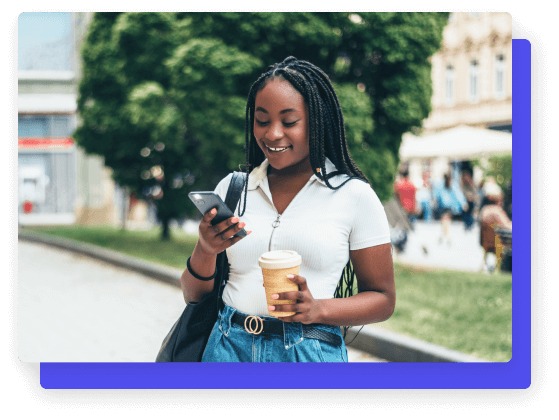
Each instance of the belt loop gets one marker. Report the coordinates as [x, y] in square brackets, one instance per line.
[292, 334]
[225, 321]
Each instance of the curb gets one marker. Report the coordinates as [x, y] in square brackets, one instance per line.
[400, 348]
[381, 343]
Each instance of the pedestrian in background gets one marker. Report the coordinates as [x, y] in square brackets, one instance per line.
[469, 191]
[405, 193]
[447, 198]
[424, 197]
[487, 183]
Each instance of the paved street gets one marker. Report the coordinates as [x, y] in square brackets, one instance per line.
[423, 247]
[73, 308]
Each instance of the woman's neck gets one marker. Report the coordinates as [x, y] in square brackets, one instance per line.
[300, 170]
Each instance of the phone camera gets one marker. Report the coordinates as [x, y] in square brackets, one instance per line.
[200, 202]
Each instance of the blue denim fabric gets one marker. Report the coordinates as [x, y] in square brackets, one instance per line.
[231, 343]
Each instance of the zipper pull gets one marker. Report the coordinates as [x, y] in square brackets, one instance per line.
[276, 222]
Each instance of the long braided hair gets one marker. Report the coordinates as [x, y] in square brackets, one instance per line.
[326, 134]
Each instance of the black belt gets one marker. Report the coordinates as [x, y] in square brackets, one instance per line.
[256, 325]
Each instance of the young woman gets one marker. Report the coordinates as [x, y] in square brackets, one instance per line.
[303, 193]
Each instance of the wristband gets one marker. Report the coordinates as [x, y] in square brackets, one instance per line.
[196, 275]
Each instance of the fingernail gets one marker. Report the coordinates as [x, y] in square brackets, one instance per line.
[249, 232]
[271, 308]
[234, 220]
[242, 225]
[213, 211]
[275, 297]
[290, 276]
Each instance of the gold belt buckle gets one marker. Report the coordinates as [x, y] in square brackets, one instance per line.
[259, 324]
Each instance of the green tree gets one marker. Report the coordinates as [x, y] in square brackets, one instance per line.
[499, 167]
[163, 95]
[387, 57]
[161, 108]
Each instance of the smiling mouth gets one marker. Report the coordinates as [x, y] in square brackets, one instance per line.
[277, 149]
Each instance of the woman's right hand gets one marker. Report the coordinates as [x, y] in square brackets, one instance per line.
[216, 239]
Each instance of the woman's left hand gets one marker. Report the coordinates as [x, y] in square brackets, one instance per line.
[308, 309]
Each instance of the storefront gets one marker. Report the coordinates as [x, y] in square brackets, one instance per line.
[46, 170]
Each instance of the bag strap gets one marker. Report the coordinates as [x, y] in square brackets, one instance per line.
[235, 190]
[231, 200]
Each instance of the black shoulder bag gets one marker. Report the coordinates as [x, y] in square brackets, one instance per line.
[187, 339]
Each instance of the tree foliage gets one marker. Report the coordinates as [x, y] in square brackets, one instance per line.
[163, 95]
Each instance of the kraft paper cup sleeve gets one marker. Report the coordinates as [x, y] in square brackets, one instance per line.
[276, 281]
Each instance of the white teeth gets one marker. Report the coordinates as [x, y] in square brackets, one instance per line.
[277, 150]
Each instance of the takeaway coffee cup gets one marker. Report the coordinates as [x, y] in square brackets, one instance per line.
[276, 265]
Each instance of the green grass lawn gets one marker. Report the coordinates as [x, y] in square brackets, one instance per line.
[467, 312]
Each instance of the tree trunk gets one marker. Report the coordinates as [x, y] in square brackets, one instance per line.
[165, 231]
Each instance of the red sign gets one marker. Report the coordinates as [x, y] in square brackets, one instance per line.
[27, 207]
[45, 143]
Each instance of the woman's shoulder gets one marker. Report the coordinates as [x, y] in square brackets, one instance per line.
[356, 190]
[352, 185]
[223, 185]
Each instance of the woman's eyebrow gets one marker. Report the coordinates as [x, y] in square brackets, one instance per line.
[284, 111]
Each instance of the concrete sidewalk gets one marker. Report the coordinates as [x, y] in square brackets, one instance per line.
[425, 249]
[372, 340]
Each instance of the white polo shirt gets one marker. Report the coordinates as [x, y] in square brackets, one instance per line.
[320, 224]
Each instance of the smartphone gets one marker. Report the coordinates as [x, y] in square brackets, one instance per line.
[207, 200]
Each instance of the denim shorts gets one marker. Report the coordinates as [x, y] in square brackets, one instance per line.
[230, 342]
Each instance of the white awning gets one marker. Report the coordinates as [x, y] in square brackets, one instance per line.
[461, 142]
[40, 103]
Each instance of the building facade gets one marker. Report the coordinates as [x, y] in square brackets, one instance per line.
[57, 182]
[472, 86]
[472, 73]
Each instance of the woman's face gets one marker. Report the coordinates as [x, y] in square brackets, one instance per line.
[281, 124]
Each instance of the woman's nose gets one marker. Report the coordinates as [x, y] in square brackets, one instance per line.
[275, 132]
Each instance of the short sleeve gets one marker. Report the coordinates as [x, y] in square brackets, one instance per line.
[370, 225]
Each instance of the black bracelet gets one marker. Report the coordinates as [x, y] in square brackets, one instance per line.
[196, 275]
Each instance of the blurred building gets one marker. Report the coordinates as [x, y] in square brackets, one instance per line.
[472, 85]
[57, 182]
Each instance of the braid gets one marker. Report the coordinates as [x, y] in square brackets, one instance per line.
[326, 134]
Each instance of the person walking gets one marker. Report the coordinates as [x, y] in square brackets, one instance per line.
[303, 192]
[469, 191]
[446, 199]
[405, 193]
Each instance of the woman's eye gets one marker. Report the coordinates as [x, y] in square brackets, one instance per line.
[263, 124]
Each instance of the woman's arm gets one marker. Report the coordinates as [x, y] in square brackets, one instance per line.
[204, 265]
[375, 302]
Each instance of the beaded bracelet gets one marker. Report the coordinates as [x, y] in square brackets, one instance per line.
[196, 275]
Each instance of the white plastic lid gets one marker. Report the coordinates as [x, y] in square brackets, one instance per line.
[279, 259]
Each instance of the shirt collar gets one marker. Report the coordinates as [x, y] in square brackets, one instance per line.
[260, 172]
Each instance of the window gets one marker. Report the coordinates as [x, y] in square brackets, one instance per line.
[45, 41]
[449, 85]
[474, 81]
[499, 76]
[38, 126]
